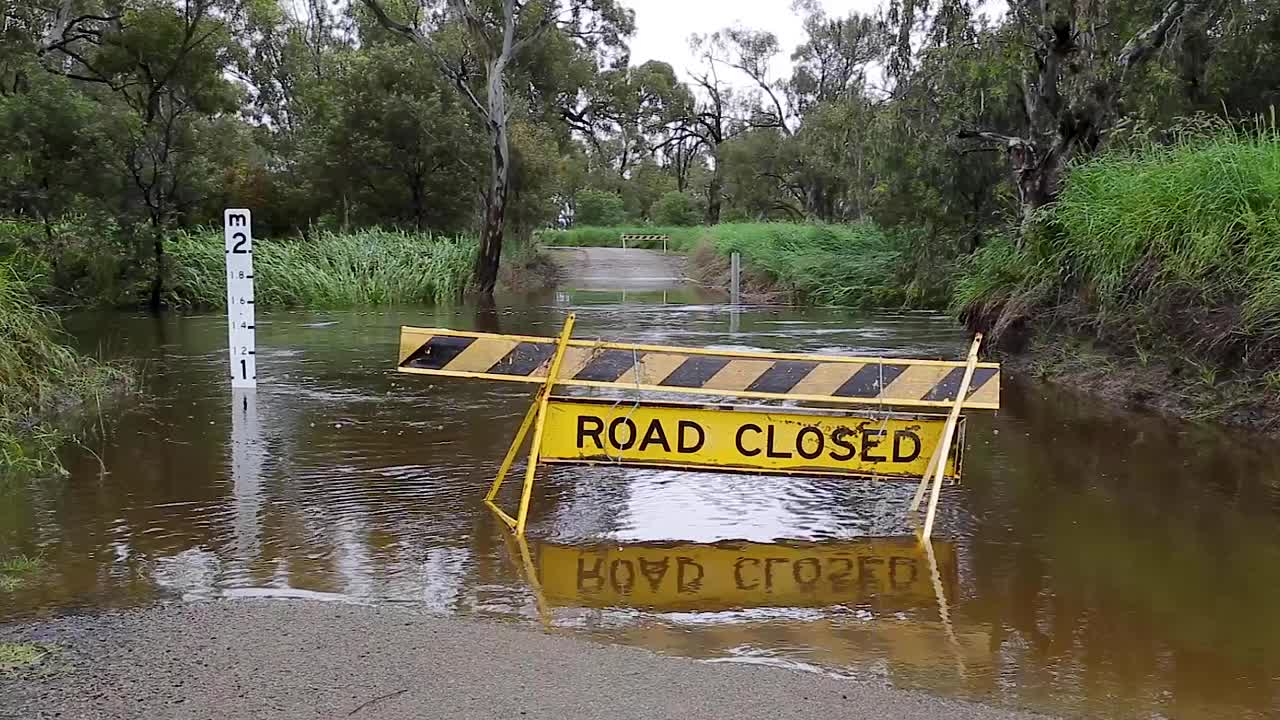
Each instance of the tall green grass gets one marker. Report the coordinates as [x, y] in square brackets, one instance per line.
[16, 570]
[39, 377]
[370, 267]
[855, 265]
[1179, 241]
[1199, 221]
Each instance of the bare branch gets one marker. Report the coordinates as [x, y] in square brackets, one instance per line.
[1008, 141]
[457, 75]
[398, 27]
[543, 25]
[1140, 47]
[475, 25]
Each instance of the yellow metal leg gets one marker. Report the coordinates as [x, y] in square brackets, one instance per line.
[534, 450]
[514, 449]
[947, 435]
[516, 544]
[944, 609]
[924, 479]
[535, 417]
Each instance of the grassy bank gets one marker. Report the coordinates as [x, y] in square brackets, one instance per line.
[855, 265]
[40, 380]
[1167, 259]
[17, 570]
[370, 267]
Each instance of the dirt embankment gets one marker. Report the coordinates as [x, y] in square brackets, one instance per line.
[711, 269]
[1151, 382]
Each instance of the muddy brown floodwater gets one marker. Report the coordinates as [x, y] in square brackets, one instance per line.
[1094, 563]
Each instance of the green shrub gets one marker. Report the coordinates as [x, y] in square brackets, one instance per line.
[676, 208]
[75, 260]
[370, 267]
[595, 207]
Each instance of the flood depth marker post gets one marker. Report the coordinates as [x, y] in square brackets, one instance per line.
[237, 230]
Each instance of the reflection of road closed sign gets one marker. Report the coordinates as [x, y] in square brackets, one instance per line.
[889, 574]
[789, 441]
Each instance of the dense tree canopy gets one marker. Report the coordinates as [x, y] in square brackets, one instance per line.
[498, 117]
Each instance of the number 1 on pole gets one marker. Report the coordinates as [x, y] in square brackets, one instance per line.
[237, 228]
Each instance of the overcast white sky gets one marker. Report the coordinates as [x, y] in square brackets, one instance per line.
[663, 27]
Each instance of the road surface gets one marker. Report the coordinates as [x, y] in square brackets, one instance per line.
[241, 659]
[599, 268]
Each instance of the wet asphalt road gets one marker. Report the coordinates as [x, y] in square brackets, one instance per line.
[598, 268]
[285, 659]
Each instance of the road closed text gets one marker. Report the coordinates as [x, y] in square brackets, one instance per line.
[742, 439]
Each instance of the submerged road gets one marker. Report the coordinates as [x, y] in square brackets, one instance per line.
[297, 659]
[600, 268]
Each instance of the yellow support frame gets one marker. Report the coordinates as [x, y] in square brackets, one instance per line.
[935, 465]
[536, 416]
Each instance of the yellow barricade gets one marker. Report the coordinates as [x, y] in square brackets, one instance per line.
[840, 380]
[789, 441]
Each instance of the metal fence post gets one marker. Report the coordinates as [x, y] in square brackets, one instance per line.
[735, 278]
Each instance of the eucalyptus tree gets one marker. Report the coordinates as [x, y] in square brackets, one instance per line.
[489, 48]
[1080, 61]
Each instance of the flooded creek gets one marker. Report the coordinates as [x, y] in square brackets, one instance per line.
[1094, 562]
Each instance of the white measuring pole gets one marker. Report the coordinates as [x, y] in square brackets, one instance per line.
[246, 475]
[238, 233]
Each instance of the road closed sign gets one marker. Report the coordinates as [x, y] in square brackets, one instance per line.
[730, 438]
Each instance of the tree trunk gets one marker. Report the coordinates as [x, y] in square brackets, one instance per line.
[495, 200]
[417, 201]
[157, 281]
[816, 206]
[490, 255]
[715, 191]
[1068, 117]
